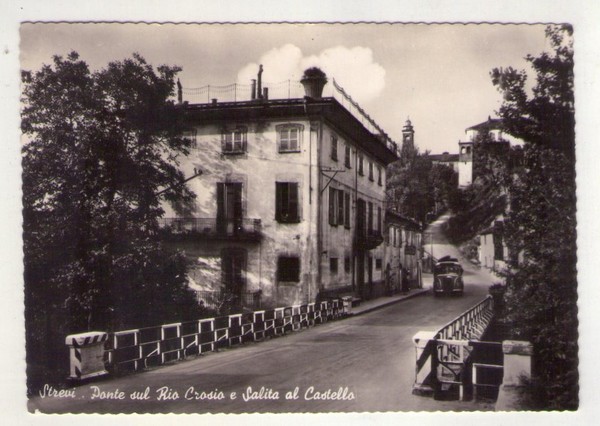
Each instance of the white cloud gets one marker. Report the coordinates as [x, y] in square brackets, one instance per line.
[279, 64]
[353, 68]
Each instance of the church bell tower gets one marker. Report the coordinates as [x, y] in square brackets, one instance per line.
[408, 135]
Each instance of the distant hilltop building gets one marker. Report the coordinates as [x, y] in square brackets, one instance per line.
[489, 131]
[446, 159]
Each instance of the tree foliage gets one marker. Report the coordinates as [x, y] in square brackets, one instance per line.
[99, 147]
[541, 297]
[546, 118]
[416, 186]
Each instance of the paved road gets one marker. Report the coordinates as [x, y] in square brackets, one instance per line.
[364, 363]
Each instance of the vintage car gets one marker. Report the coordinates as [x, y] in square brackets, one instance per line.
[447, 276]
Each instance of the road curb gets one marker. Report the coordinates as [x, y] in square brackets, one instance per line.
[419, 292]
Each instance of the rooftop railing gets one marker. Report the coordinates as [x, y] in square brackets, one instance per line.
[288, 89]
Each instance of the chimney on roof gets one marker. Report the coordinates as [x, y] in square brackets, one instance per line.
[259, 83]
[179, 92]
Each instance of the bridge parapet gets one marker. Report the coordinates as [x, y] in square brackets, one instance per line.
[137, 349]
[441, 356]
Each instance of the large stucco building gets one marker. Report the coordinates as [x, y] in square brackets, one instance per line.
[290, 199]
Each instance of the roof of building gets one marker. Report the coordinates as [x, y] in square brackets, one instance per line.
[444, 158]
[380, 146]
[397, 218]
[490, 124]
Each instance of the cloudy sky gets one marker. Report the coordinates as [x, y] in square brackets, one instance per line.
[438, 75]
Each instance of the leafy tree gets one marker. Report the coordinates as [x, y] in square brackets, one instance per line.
[408, 183]
[491, 163]
[100, 146]
[417, 187]
[548, 117]
[444, 183]
[541, 296]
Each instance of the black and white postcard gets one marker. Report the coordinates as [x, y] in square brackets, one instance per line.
[286, 216]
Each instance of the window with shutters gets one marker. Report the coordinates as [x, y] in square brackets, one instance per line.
[286, 202]
[234, 141]
[370, 217]
[347, 210]
[289, 137]
[288, 269]
[340, 207]
[334, 147]
[333, 205]
[347, 157]
[360, 165]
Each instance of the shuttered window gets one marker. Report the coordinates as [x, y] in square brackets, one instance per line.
[332, 207]
[347, 210]
[347, 157]
[340, 210]
[370, 217]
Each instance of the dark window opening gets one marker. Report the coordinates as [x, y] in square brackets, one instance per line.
[334, 146]
[229, 207]
[370, 217]
[332, 207]
[347, 210]
[340, 209]
[498, 247]
[347, 264]
[333, 265]
[286, 202]
[379, 182]
[288, 269]
[347, 157]
[233, 270]
[378, 264]
[370, 170]
[360, 165]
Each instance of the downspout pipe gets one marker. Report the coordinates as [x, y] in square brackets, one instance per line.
[319, 204]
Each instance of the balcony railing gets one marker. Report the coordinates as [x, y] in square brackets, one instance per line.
[212, 228]
[369, 239]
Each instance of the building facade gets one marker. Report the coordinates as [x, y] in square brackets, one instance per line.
[289, 200]
[493, 252]
[493, 130]
[403, 253]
